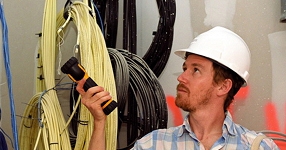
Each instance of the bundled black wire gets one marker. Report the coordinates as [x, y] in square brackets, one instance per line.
[3, 144]
[130, 26]
[108, 12]
[144, 109]
[159, 51]
[160, 48]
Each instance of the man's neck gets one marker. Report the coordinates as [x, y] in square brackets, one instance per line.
[206, 123]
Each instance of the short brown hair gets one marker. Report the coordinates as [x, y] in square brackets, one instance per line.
[220, 74]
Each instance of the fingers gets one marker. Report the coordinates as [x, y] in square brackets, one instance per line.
[90, 92]
[93, 98]
[95, 94]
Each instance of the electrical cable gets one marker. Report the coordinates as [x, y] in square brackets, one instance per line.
[35, 129]
[108, 10]
[276, 136]
[5, 134]
[120, 69]
[159, 51]
[125, 25]
[130, 26]
[89, 43]
[101, 6]
[9, 75]
[48, 132]
[111, 22]
[143, 89]
[94, 57]
[98, 17]
[144, 109]
[3, 141]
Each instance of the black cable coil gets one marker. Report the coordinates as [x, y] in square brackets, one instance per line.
[144, 109]
[159, 51]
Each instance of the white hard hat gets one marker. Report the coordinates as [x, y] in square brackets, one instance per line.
[223, 46]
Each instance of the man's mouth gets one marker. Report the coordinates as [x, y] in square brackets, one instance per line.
[182, 88]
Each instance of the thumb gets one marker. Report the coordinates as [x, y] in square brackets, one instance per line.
[79, 86]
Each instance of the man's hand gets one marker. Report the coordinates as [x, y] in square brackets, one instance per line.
[92, 99]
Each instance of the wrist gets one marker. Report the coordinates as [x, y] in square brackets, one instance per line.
[100, 124]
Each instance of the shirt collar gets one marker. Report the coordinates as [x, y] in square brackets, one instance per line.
[228, 126]
[185, 127]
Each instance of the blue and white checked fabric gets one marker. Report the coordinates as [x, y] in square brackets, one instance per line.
[234, 137]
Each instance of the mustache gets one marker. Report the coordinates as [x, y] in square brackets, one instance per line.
[182, 87]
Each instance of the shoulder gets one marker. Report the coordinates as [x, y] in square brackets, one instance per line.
[252, 138]
[245, 137]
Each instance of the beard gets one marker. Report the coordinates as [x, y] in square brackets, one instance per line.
[190, 102]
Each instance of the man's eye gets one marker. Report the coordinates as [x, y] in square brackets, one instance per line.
[196, 69]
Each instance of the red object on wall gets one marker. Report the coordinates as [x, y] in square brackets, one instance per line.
[175, 111]
[272, 122]
[242, 93]
[240, 96]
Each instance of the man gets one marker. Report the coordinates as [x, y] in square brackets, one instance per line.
[216, 66]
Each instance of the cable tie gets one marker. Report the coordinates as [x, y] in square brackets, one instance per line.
[77, 48]
[41, 77]
[39, 34]
[82, 122]
[54, 143]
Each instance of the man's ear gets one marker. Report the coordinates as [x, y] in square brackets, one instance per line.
[224, 87]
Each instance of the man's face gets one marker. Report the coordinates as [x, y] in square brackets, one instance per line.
[195, 87]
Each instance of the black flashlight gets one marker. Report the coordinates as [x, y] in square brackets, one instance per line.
[76, 72]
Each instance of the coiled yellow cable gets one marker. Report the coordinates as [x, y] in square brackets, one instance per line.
[50, 132]
[96, 60]
[47, 106]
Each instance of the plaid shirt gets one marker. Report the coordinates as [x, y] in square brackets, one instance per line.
[234, 137]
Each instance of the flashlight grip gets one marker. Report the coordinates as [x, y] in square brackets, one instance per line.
[88, 84]
[106, 108]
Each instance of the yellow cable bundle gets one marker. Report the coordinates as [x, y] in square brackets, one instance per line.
[52, 120]
[40, 134]
[50, 133]
[96, 60]
[48, 56]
